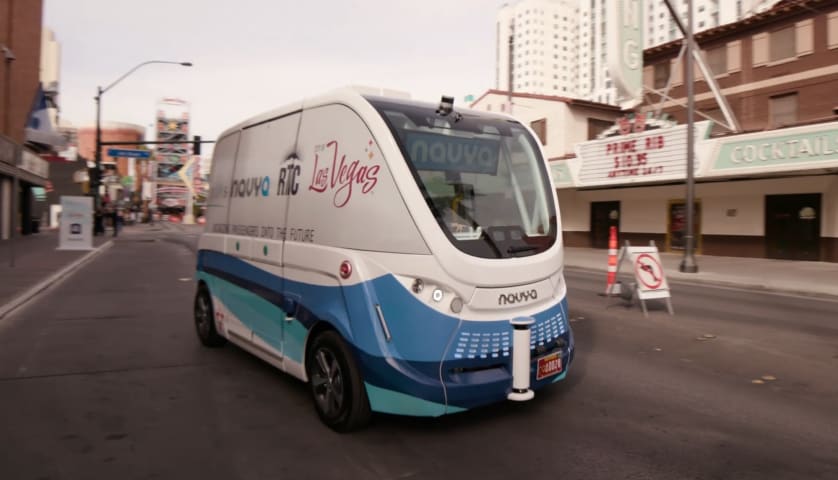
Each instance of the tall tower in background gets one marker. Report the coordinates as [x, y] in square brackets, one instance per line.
[558, 47]
[537, 47]
[172, 125]
[706, 14]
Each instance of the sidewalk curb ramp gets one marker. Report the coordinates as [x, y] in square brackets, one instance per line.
[45, 284]
[715, 282]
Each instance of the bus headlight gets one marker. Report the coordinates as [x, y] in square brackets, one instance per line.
[437, 295]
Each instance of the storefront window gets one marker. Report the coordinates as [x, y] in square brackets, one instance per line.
[717, 60]
[661, 74]
[677, 226]
[783, 110]
[782, 44]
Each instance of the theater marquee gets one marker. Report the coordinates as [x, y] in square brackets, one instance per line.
[647, 156]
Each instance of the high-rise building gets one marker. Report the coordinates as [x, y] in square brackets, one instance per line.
[661, 28]
[536, 47]
[558, 47]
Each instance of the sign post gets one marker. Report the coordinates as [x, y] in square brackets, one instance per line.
[650, 279]
[127, 153]
[76, 225]
[185, 174]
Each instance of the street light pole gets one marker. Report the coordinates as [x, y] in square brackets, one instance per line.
[98, 98]
[688, 264]
[9, 57]
[98, 153]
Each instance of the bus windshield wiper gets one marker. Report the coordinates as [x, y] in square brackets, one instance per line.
[521, 248]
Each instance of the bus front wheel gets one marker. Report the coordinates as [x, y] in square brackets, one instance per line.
[336, 385]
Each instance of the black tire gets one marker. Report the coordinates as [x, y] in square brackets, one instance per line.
[336, 386]
[205, 319]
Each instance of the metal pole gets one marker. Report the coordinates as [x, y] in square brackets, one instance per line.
[688, 264]
[188, 216]
[9, 57]
[98, 153]
[15, 188]
[7, 101]
[98, 98]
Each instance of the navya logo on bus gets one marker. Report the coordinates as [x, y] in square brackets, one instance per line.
[287, 183]
[250, 187]
[517, 297]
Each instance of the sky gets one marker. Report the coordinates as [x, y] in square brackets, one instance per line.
[250, 56]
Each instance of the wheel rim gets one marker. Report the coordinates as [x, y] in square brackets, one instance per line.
[327, 382]
[202, 320]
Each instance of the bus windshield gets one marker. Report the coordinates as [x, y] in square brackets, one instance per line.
[483, 178]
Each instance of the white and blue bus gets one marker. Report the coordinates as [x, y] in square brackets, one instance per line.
[400, 257]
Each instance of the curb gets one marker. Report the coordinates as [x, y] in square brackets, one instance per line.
[45, 284]
[708, 282]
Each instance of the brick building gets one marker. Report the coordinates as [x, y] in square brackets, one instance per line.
[767, 190]
[778, 68]
[21, 169]
[121, 175]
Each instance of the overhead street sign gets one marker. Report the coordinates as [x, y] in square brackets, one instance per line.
[123, 153]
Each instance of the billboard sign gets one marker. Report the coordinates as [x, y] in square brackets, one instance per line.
[778, 150]
[168, 171]
[641, 157]
[624, 46]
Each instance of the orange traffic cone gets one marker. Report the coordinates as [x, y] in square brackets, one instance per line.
[612, 260]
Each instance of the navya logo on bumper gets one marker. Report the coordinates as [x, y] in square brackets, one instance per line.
[251, 187]
[517, 297]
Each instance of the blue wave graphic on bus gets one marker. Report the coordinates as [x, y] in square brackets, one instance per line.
[431, 356]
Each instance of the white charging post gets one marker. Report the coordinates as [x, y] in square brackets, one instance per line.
[521, 359]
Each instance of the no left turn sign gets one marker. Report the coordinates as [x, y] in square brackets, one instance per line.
[648, 271]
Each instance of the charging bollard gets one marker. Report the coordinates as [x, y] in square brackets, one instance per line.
[521, 359]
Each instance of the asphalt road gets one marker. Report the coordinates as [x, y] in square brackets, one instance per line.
[103, 377]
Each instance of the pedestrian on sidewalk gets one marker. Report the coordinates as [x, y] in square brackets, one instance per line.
[115, 218]
[98, 222]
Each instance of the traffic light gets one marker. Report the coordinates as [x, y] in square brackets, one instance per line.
[94, 177]
[196, 145]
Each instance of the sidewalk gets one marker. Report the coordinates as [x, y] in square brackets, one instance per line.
[37, 264]
[797, 277]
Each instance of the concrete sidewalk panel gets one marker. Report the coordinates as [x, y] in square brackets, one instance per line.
[818, 279]
[33, 291]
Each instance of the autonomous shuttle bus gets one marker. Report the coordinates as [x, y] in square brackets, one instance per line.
[400, 257]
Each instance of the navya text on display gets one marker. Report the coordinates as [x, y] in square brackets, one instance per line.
[431, 151]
